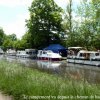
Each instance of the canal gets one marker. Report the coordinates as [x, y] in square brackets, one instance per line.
[63, 69]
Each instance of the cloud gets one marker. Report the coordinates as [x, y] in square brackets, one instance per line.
[15, 22]
[61, 3]
[15, 3]
[17, 27]
[77, 1]
[64, 3]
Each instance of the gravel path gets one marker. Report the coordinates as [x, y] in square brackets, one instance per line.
[5, 97]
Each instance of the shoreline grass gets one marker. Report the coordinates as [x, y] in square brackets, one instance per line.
[30, 84]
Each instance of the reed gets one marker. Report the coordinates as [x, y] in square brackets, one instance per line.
[30, 84]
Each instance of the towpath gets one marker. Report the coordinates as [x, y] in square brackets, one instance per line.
[5, 97]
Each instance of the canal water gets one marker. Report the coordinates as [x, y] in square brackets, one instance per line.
[63, 69]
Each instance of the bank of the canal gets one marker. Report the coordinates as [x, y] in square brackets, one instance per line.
[5, 97]
[31, 84]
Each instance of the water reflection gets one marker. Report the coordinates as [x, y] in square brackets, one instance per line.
[83, 72]
[48, 64]
[63, 69]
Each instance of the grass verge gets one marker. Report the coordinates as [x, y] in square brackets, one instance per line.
[30, 84]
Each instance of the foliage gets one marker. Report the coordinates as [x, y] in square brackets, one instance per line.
[89, 29]
[44, 24]
[68, 24]
[1, 36]
[12, 37]
[26, 40]
[47, 26]
[9, 41]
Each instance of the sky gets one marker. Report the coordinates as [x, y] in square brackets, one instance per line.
[13, 14]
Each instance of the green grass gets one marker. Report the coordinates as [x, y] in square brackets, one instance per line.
[25, 83]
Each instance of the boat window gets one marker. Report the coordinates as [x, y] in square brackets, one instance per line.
[30, 53]
[39, 52]
[27, 52]
[87, 55]
[84, 55]
[70, 52]
[81, 54]
[44, 52]
[49, 51]
[97, 54]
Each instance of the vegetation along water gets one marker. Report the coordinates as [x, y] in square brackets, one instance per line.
[30, 84]
[76, 25]
[48, 24]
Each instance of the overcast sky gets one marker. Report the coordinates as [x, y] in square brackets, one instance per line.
[14, 12]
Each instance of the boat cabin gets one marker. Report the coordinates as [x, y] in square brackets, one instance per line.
[11, 52]
[27, 53]
[88, 55]
[48, 55]
[75, 50]
[31, 51]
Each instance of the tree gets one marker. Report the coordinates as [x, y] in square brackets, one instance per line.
[19, 45]
[26, 40]
[7, 44]
[12, 37]
[89, 26]
[68, 25]
[9, 41]
[1, 36]
[96, 40]
[44, 24]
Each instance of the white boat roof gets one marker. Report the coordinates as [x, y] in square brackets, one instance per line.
[75, 47]
[45, 50]
[30, 49]
[85, 51]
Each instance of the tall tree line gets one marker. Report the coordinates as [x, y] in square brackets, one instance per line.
[44, 24]
[49, 24]
[90, 24]
[86, 30]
